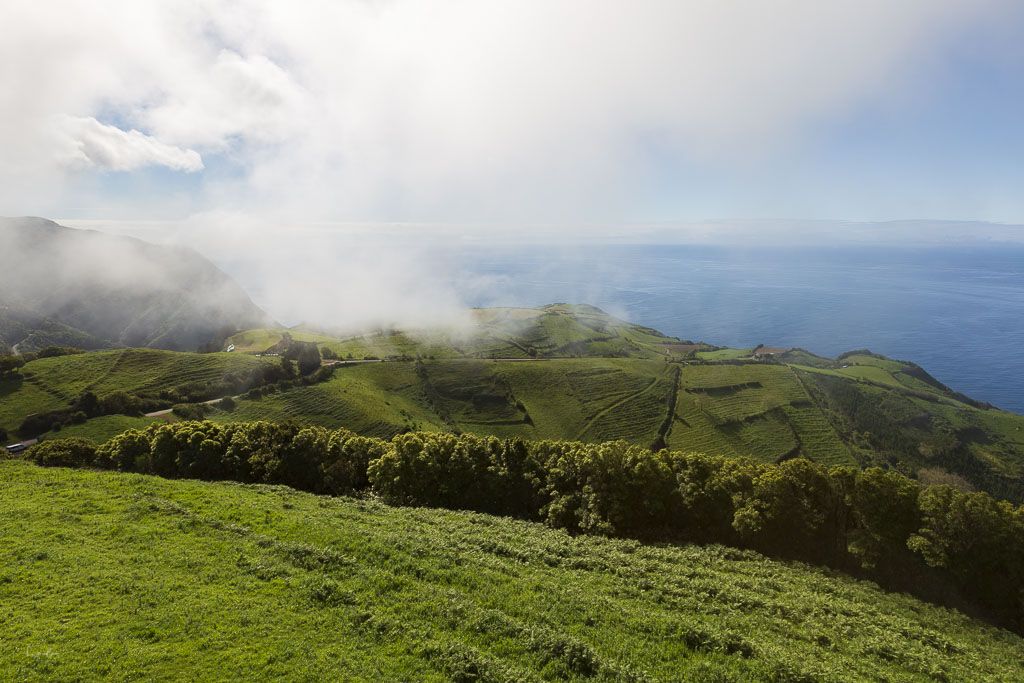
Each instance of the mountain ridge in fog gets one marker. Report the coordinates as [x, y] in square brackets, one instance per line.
[84, 288]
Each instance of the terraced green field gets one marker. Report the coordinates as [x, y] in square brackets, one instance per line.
[574, 372]
[724, 354]
[52, 383]
[259, 583]
[593, 399]
[259, 340]
[760, 411]
[379, 399]
[916, 429]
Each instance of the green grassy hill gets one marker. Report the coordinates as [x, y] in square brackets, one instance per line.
[593, 398]
[257, 582]
[760, 411]
[48, 384]
[574, 372]
[555, 331]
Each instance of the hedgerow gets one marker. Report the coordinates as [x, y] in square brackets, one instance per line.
[939, 542]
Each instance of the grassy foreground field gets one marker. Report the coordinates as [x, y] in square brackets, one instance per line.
[255, 582]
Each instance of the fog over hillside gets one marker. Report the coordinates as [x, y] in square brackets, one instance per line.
[81, 287]
[359, 275]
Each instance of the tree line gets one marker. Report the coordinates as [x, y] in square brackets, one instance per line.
[943, 544]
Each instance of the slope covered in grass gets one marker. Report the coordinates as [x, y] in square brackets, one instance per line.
[555, 331]
[575, 372]
[760, 411]
[589, 398]
[256, 582]
[102, 428]
[52, 383]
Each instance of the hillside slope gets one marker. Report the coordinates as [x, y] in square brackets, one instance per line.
[47, 384]
[553, 331]
[574, 372]
[260, 582]
[84, 288]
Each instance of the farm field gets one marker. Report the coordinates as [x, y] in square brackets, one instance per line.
[760, 411]
[592, 399]
[724, 354]
[52, 383]
[378, 399]
[924, 430]
[589, 398]
[262, 582]
[259, 340]
[574, 372]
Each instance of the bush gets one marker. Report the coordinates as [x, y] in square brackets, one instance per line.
[979, 541]
[128, 451]
[612, 488]
[54, 351]
[461, 472]
[344, 467]
[37, 424]
[191, 411]
[791, 510]
[122, 403]
[63, 453]
[884, 507]
[10, 365]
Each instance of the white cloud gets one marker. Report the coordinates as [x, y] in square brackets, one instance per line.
[248, 100]
[438, 111]
[87, 143]
[464, 109]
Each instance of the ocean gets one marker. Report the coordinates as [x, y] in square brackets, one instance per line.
[958, 312]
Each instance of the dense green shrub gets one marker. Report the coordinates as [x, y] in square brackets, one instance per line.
[979, 541]
[791, 509]
[613, 488]
[63, 453]
[462, 472]
[344, 467]
[129, 451]
[10, 365]
[884, 510]
[191, 411]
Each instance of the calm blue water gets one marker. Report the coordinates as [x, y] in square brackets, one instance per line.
[957, 312]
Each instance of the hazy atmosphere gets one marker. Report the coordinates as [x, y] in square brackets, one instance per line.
[479, 112]
[504, 341]
[340, 159]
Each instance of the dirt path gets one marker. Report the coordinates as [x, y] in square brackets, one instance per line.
[167, 411]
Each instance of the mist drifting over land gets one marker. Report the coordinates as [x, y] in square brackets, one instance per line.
[328, 154]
